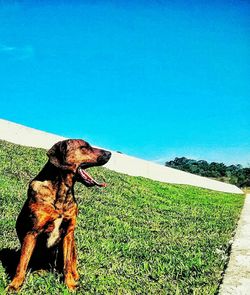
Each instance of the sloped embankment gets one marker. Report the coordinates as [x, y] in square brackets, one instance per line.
[137, 236]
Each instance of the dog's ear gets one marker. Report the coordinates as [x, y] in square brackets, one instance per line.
[58, 155]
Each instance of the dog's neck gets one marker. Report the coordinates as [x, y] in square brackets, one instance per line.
[56, 175]
[62, 179]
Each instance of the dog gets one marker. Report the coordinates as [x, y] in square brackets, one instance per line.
[48, 218]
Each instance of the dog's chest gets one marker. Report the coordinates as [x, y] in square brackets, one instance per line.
[57, 228]
[54, 232]
[64, 198]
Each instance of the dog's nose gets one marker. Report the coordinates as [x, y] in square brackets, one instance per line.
[106, 155]
[103, 159]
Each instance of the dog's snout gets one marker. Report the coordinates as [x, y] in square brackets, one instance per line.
[107, 155]
[103, 159]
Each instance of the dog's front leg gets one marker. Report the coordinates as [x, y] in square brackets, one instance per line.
[27, 248]
[68, 248]
[74, 261]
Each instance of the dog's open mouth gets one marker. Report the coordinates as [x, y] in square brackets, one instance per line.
[87, 179]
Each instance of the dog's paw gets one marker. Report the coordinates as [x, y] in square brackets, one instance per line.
[70, 282]
[75, 275]
[15, 285]
[12, 288]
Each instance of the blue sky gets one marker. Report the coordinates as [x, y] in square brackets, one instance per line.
[153, 79]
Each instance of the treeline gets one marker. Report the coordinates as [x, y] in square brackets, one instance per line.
[234, 174]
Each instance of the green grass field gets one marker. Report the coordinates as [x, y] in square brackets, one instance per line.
[137, 236]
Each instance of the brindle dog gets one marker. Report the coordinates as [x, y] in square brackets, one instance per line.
[48, 217]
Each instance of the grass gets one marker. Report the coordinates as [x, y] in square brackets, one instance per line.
[137, 236]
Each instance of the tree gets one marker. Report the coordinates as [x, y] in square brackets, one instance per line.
[234, 174]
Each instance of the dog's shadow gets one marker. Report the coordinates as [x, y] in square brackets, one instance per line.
[10, 259]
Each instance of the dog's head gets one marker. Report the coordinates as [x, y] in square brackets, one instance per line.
[76, 155]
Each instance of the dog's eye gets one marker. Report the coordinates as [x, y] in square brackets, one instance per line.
[86, 146]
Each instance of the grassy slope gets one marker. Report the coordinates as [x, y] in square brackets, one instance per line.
[136, 236]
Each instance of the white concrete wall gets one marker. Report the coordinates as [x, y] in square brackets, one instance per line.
[20, 134]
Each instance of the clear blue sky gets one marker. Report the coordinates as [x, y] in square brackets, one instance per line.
[153, 79]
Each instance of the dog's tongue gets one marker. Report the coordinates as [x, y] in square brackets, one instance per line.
[90, 180]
